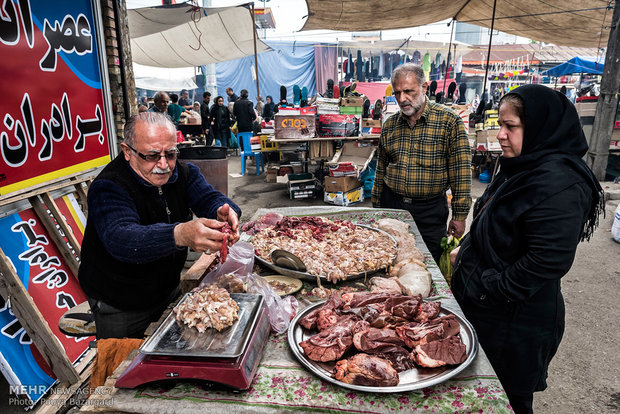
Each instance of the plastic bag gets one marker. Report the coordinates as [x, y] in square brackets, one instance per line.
[447, 244]
[233, 143]
[615, 228]
[240, 262]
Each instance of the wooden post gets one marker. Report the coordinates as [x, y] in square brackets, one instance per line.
[607, 102]
[255, 55]
[33, 322]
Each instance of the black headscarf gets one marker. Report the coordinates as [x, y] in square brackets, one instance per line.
[550, 161]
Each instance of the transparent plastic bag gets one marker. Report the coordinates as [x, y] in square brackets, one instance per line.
[240, 262]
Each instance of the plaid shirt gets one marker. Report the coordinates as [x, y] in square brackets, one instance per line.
[425, 160]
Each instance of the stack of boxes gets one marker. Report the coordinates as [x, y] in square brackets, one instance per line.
[343, 186]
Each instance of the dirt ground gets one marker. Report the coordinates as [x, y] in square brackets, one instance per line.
[584, 375]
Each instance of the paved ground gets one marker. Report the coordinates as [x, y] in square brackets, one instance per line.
[583, 377]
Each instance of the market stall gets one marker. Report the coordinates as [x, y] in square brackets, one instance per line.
[282, 382]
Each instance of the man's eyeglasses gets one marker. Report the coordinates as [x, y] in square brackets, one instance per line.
[170, 155]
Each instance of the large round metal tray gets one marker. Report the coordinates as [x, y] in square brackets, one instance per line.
[412, 379]
[312, 278]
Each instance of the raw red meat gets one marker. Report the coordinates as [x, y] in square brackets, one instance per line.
[226, 229]
[428, 310]
[449, 351]
[364, 369]
[403, 306]
[332, 343]
[373, 339]
[253, 227]
[359, 299]
[333, 303]
[415, 334]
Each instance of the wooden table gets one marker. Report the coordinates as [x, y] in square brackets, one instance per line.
[282, 384]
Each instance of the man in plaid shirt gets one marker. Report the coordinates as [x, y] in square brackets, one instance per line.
[423, 151]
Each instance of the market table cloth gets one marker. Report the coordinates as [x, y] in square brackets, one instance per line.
[281, 383]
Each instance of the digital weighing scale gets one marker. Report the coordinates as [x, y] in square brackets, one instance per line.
[229, 357]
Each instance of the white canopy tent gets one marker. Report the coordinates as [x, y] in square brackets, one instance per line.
[166, 79]
[180, 35]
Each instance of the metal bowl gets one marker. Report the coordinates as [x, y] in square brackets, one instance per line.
[412, 379]
[287, 260]
[304, 275]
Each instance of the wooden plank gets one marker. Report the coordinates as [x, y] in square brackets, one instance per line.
[196, 272]
[63, 392]
[99, 401]
[81, 193]
[62, 222]
[53, 232]
[45, 188]
[33, 322]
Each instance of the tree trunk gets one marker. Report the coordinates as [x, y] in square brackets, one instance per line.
[607, 102]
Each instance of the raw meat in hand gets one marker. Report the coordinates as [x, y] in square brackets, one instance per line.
[226, 229]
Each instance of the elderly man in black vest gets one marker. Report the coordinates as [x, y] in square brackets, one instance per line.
[140, 223]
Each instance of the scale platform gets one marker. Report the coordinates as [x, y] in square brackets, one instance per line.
[229, 357]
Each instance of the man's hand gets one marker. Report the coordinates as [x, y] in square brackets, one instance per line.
[453, 254]
[456, 228]
[202, 235]
[227, 214]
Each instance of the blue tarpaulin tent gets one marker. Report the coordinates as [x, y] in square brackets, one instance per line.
[578, 64]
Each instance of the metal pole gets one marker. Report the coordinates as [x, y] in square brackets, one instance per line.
[445, 74]
[255, 54]
[486, 73]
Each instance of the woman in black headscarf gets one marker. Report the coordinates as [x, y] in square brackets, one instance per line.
[221, 121]
[269, 109]
[523, 238]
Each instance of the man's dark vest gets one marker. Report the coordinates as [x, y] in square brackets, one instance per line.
[132, 286]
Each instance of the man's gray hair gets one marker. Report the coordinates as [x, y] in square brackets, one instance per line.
[159, 96]
[406, 69]
[152, 118]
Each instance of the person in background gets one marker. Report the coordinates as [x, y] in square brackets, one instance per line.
[205, 115]
[144, 101]
[244, 113]
[140, 226]
[161, 100]
[269, 110]
[220, 121]
[185, 100]
[232, 97]
[523, 238]
[174, 109]
[143, 108]
[475, 103]
[423, 150]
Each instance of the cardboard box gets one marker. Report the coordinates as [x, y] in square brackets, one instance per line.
[294, 126]
[585, 109]
[360, 157]
[493, 143]
[271, 174]
[308, 110]
[371, 123]
[301, 185]
[341, 184]
[345, 198]
[351, 110]
[352, 101]
[338, 125]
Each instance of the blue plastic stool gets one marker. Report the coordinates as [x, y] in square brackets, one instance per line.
[246, 137]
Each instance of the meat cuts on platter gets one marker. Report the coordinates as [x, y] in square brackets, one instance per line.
[207, 307]
[364, 369]
[334, 249]
[378, 334]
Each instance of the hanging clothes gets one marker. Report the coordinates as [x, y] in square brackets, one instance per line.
[376, 67]
[395, 58]
[458, 69]
[417, 57]
[442, 70]
[426, 66]
[438, 59]
[367, 70]
[381, 71]
[388, 64]
[359, 67]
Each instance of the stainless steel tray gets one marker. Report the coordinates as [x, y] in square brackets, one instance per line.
[412, 379]
[312, 278]
[173, 338]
